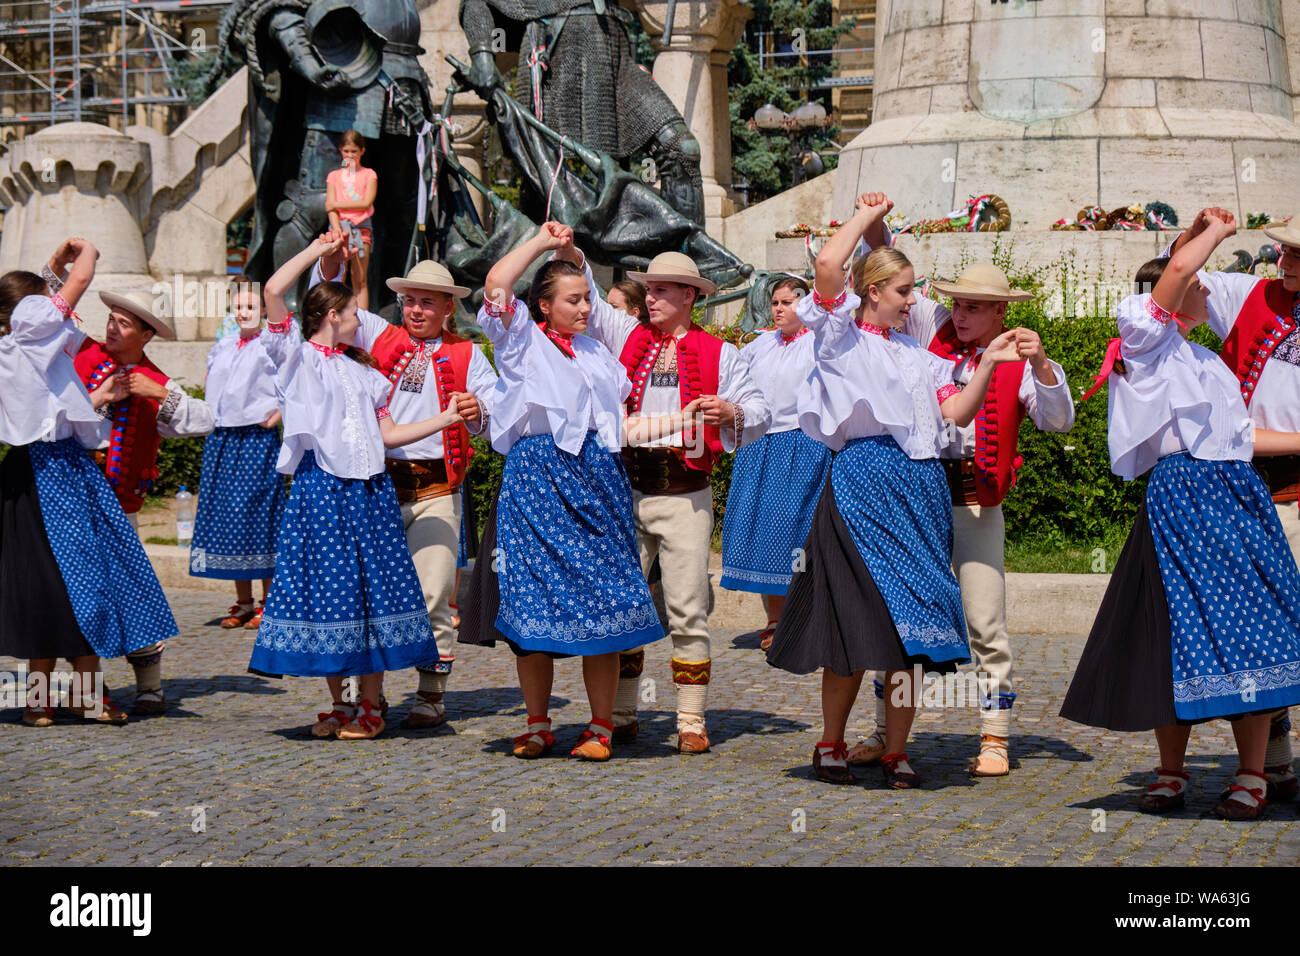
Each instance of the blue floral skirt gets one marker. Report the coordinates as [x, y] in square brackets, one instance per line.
[558, 569]
[775, 484]
[241, 501]
[1202, 615]
[878, 592]
[345, 598]
[104, 575]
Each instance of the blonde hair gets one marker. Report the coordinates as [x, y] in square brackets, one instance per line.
[876, 268]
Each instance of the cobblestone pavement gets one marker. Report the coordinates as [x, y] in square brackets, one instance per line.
[231, 759]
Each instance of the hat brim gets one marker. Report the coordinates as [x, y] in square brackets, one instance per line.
[161, 327]
[406, 285]
[982, 295]
[1284, 233]
[699, 282]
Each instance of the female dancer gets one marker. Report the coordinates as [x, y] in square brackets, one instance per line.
[74, 578]
[776, 480]
[879, 592]
[241, 495]
[1202, 615]
[558, 572]
[345, 598]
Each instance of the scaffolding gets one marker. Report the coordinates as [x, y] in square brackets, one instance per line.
[102, 61]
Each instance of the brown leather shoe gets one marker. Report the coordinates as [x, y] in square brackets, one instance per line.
[148, 703]
[592, 746]
[425, 714]
[993, 760]
[868, 751]
[627, 733]
[237, 616]
[255, 619]
[1169, 792]
[899, 779]
[1282, 784]
[689, 743]
[1251, 808]
[831, 774]
[534, 744]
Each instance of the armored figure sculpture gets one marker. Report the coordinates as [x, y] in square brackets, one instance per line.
[316, 69]
[578, 75]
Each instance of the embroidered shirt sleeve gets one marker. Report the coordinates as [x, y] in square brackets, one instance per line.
[167, 410]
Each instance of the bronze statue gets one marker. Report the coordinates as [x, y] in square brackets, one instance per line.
[577, 74]
[317, 68]
[616, 217]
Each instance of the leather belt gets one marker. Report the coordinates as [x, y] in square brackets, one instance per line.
[661, 471]
[1282, 475]
[418, 479]
[962, 482]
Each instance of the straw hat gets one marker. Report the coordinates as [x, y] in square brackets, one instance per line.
[428, 276]
[674, 267]
[1286, 233]
[140, 305]
[983, 282]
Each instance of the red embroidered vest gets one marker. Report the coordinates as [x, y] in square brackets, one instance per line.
[132, 457]
[698, 355]
[1263, 322]
[449, 367]
[997, 424]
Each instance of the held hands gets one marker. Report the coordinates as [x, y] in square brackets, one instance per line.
[113, 389]
[717, 412]
[872, 206]
[331, 243]
[466, 406]
[1220, 220]
[554, 236]
[1006, 347]
[1206, 216]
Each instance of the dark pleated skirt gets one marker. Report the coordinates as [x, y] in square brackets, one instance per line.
[834, 615]
[1125, 679]
[36, 617]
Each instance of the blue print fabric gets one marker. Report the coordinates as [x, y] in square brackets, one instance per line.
[240, 504]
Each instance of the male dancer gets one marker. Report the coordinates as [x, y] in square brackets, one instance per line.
[981, 464]
[426, 364]
[146, 407]
[1259, 323]
[671, 361]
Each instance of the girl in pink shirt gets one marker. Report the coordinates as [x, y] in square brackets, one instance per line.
[350, 202]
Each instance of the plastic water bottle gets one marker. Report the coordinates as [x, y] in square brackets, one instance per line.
[184, 517]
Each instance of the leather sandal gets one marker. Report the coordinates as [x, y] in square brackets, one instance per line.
[425, 714]
[367, 725]
[692, 743]
[594, 746]
[993, 760]
[255, 619]
[831, 773]
[627, 733]
[903, 779]
[1167, 793]
[331, 722]
[108, 713]
[238, 615]
[149, 703]
[1282, 784]
[1252, 802]
[534, 743]
[869, 750]
[38, 716]
[765, 637]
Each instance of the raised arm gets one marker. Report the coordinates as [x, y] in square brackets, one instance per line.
[82, 255]
[606, 324]
[499, 286]
[828, 269]
[1188, 260]
[277, 313]
[1198, 226]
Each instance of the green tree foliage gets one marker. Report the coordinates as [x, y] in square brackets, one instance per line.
[765, 161]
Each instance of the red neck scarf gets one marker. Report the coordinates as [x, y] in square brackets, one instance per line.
[564, 342]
